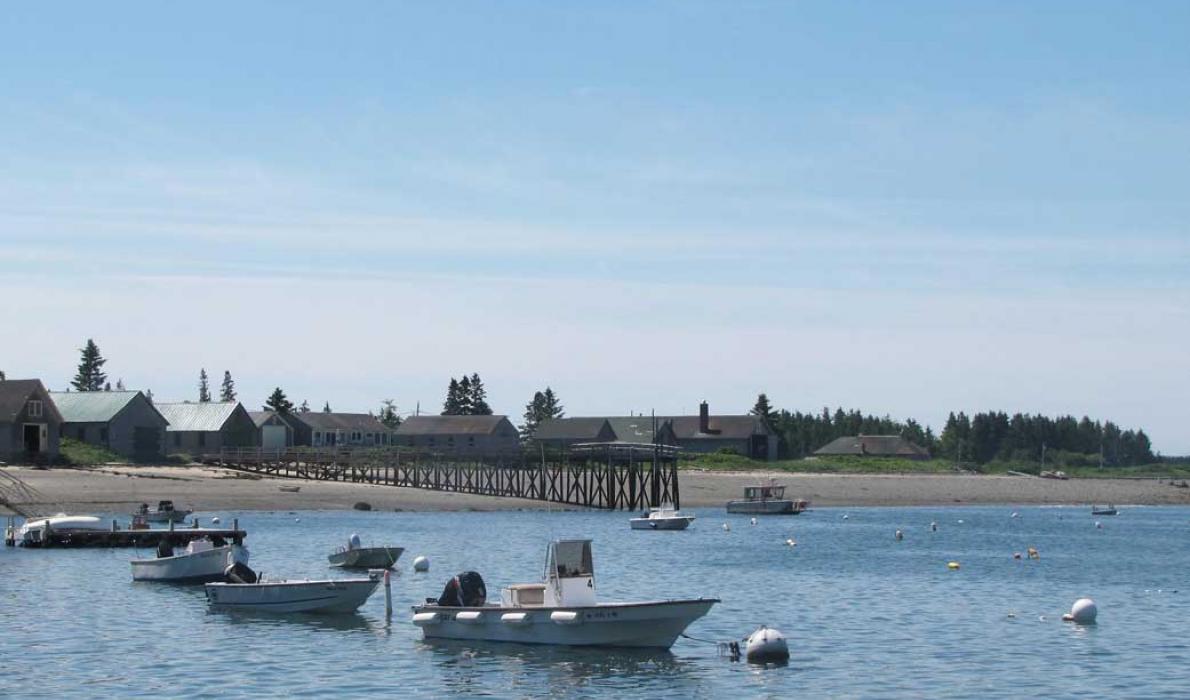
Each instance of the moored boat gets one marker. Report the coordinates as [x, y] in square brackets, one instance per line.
[323, 596]
[562, 610]
[1104, 510]
[355, 556]
[165, 512]
[202, 560]
[661, 519]
[767, 500]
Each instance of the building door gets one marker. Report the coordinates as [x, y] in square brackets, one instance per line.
[32, 438]
[760, 447]
[146, 442]
[272, 436]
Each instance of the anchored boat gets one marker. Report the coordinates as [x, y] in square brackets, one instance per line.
[202, 560]
[767, 500]
[562, 610]
[327, 596]
[1104, 510]
[661, 519]
[355, 556]
[165, 512]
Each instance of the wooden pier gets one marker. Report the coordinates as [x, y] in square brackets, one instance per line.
[131, 537]
[598, 475]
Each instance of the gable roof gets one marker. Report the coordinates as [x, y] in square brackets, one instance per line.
[262, 417]
[451, 425]
[92, 406]
[874, 445]
[15, 393]
[318, 420]
[570, 429]
[637, 429]
[718, 427]
[201, 417]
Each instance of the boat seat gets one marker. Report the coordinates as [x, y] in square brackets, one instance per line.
[527, 594]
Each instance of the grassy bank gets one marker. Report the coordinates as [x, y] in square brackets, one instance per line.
[881, 465]
[80, 453]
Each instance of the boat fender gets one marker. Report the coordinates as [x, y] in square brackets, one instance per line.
[766, 646]
[1083, 612]
[565, 617]
[425, 618]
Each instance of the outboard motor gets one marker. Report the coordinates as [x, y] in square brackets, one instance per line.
[239, 573]
[465, 590]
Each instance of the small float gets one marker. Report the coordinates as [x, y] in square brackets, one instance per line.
[561, 610]
[661, 519]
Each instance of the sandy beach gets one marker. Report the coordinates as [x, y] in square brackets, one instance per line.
[121, 488]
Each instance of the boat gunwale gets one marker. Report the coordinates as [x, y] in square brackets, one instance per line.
[428, 607]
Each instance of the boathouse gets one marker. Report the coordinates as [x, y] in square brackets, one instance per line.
[197, 428]
[30, 424]
[124, 422]
[561, 433]
[873, 446]
[342, 429]
[275, 430]
[465, 436]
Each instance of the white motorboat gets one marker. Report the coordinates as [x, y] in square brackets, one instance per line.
[767, 500]
[562, 610]
[355, 556]
[33, 532]
[202, 560]
[165, 512]
[326, 596]
[662, 519]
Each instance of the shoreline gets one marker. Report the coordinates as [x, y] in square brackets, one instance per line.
[121, 488]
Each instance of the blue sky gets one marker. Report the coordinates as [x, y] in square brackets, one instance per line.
[908, 208]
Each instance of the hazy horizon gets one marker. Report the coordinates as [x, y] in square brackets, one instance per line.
[907, 210]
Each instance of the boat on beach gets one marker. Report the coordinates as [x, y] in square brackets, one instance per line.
[767, 500]
[661, 519]
[328, 596]
[165, 512]
[561, 610]
[202, 560]
[355, 556]
[34, 532]
[1104, 510]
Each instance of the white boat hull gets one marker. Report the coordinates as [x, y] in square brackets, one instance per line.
[680, 522]
[33, 532]
[165, 516]
[653, 625]
[366, 558]
[207, 565]
[332, 596]
[782, 507]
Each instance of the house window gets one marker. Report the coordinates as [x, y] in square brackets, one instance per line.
[369, 439]
[35, 409]
[202, 439]
[355, 437]
[317, 438]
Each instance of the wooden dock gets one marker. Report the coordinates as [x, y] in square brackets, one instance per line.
[598, 475]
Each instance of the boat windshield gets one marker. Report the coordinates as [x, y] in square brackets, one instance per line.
[573, 559]
[763, 493]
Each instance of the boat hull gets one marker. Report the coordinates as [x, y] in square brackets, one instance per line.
[653, 625]
[366, 558]
[341, 596]
[678, 523]
[781, 507]
[199, 567]
[165, 516]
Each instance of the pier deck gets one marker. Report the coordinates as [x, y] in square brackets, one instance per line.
[68, 538]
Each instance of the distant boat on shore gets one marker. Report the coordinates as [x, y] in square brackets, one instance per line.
[1104, 510]
[767, 500]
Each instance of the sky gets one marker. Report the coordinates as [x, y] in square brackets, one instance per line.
[905, 208]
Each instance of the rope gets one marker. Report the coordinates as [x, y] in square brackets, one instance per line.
[730, 649]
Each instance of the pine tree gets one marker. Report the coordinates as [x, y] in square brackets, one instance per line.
[466, 397]
[227, 392]
[2, 377]
[204, 389]
[388, 414]
[479, 397]
[326, 407]
[453, 404]
[543, 407]
[90, 375]
[304, 408]
[277, 402]
[107, 386]
[763, 409]
[120, 384]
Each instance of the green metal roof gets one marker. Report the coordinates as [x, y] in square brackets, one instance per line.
[91, 406]
[203, 417]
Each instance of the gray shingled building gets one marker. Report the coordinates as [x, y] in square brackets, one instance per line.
[124, 422]
[30, 423]
[343, 429]
[197, 428]
[468, 436]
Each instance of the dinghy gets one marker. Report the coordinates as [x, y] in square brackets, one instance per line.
[355, 556]
[562, 610]
[202, 560]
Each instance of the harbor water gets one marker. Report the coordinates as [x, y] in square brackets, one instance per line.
[866, 615]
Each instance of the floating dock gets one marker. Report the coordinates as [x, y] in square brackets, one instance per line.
[132, 537]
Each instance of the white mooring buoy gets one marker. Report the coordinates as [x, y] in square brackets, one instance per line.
[421, 564]
[899, 535]
[766, 646]
[1083, 612]
[215, 520]
[753, 521]
[726, 527]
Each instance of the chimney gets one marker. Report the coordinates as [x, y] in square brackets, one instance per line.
[704, 418]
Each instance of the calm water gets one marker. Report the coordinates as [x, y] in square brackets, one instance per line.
[866, 616]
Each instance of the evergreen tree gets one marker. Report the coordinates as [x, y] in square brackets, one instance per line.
[466, 399]
[204, 389]
[227, 392]
[304, 408]
[453, 406]
[326, 407]
[2, 377]
[149, 395]
[107, 386]
[388, 414]
[543, 407]
[90, 375]
[120, 384]
[277, 402]
[479, 397]
[763, 409]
